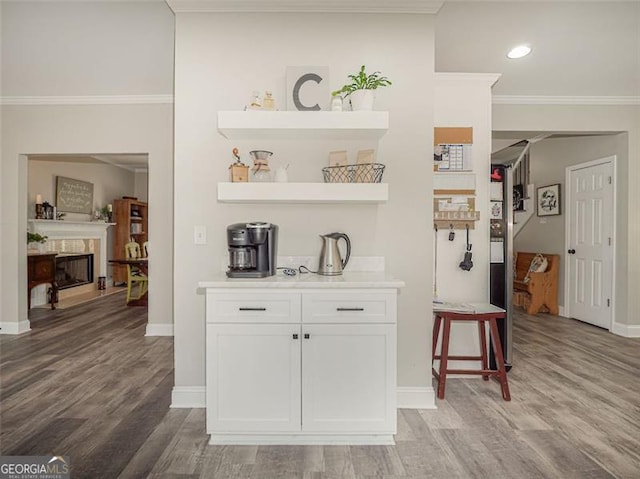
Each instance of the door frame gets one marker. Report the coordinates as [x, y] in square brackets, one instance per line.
[567, 272]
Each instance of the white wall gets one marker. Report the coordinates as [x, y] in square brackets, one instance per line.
[464, 100]
[83, 129]
[53, 48]
[558, 118]
[549, 160]
[220, 60]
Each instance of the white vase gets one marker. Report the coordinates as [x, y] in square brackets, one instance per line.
[362, 100]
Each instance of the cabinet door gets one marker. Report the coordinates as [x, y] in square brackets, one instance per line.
[349, 378]
[253, 377]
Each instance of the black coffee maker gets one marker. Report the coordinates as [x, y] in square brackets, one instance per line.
[252, 249]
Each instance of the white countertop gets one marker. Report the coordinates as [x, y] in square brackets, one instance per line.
[307, 280]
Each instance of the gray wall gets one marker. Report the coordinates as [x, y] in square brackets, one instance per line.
[109, 182]
[86, 48]
[549, 159]
[70, 71]
[603, 118]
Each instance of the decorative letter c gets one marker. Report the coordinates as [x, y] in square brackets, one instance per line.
[296, 91]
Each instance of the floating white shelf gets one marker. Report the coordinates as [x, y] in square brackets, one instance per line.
[303, 192]
[303, 125]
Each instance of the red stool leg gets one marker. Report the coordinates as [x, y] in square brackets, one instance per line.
[444, 356]
[497, 349]
[434, 340]
[483, 348]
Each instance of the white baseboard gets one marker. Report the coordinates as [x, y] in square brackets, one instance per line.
[188, 397]
[561, 311]
[416, 397]
[159, 329]
[15, 327]
[626, 330]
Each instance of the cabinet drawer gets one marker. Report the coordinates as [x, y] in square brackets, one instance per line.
[349, 307]
[253, 308]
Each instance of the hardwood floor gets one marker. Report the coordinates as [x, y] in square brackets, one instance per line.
[85, 382]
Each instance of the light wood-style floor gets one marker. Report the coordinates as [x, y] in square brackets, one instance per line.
[85, 382]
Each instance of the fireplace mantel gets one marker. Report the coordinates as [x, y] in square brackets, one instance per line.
[54, 228]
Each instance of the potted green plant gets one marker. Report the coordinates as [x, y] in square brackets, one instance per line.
[361, 89]
[34, 240]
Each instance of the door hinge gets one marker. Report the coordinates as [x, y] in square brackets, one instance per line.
[609, 240]
[609, 180]
[608, 303]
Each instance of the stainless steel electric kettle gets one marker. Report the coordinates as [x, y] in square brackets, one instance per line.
[331, 263]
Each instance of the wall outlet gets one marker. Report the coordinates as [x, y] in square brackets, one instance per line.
[200, 234]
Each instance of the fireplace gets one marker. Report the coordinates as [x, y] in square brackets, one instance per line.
[74, 270]
[73, 238]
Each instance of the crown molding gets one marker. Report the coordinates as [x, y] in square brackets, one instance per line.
[306, 6]
[87, 100]
[565, 100]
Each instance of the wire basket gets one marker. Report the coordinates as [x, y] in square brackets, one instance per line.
[363, 173]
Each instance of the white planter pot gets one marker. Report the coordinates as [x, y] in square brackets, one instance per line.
[362, 100]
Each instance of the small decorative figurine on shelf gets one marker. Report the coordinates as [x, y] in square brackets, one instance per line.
[255, 101]
[238, 170]
[268, 103]
[49, 211]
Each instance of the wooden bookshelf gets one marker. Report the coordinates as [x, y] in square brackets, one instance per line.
[131, 218]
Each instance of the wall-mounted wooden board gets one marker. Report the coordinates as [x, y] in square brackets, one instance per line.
[452, 135]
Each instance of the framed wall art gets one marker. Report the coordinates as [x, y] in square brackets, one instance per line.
[74, 196]
[548, 200]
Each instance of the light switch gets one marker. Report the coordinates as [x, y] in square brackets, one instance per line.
[200, 234]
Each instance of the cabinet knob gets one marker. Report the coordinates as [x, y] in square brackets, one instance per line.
[306, 336]
[295, 336]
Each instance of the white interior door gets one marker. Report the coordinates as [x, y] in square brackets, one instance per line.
[590, 217]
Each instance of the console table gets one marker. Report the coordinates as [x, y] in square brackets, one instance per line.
[42, 270]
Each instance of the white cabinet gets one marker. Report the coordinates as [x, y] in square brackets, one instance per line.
[325, 373]
[349, 378]
[253, 377]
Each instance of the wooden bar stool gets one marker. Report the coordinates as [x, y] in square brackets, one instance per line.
[486, 313]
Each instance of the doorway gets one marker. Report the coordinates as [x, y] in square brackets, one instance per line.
[88, 230]
[590, 242]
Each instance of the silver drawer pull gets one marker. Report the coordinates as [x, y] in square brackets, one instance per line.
[252, 309]
[350, 309]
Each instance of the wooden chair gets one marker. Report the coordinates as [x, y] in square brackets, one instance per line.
[542, 288]
[134, 275]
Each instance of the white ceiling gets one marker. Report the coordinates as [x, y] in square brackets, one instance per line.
[579, 48]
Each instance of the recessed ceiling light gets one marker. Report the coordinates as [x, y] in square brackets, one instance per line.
[519, 51]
